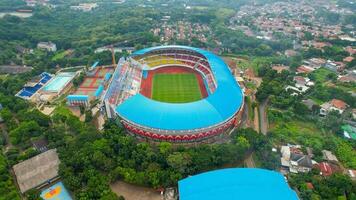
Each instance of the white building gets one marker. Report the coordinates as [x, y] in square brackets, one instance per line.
[48, 46]
[85, 7]
[301, 86]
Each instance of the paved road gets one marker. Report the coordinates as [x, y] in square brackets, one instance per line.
[263, 117]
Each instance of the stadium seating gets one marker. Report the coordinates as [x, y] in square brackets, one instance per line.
[126, 82]
[199, 63]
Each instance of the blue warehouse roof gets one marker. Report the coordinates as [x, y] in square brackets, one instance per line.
[237, 183]
[212, 110]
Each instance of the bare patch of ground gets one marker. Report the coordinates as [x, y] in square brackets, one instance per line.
[134, 192]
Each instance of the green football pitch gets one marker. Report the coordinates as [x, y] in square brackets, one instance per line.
[176, 88]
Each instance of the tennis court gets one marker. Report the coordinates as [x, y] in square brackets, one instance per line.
[90, 82]
[56, 192]
[176, 88]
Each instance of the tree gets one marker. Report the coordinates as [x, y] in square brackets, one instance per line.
[333, 121]
[33, 194]
[300, 109]
[24, 132]
[88, 116]
[179, 161]
[242, 142]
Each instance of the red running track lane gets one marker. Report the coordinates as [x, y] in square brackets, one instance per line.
[146, 84]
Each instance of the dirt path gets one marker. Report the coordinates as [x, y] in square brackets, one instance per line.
[256, 124]
[133, 192]
[263, 118]
[249, 162]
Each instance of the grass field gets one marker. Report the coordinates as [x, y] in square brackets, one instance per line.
[176, 88]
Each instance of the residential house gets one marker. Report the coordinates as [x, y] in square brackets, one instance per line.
[334, 66]
[325, 169]
[352, 174]
[315, 63]
[348, 78]
[304, 69]
[348, 59]
[300, 163]
[334, 104]
[320, 45]
[293, 159]
[280, 68]
[350, 50]
[290, 53]
[301, 86]
[329, 156]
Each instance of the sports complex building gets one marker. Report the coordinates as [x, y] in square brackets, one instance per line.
[92, 88]
[174, 93]
[47, 87]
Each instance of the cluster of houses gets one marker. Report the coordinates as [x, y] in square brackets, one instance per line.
[294, 160]
[181, 30]
[288, 19]
[316, 63]
[344, 75]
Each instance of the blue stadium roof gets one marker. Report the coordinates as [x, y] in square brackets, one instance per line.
[236, 183]
[212, 110]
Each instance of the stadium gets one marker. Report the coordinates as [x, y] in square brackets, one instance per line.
[174, 93]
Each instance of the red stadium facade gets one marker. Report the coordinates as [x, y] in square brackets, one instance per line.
[182, 136]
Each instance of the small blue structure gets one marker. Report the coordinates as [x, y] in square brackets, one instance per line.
[99, 91]
[95, 64]
[144, 74]
[76, 100]
[107, 76]
[236, 183]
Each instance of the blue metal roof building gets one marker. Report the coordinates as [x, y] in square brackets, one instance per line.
[217, 108]
[236, 184]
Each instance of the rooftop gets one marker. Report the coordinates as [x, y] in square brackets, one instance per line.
[215, 109]
[338, 104]
[37, 170]
[236, 183]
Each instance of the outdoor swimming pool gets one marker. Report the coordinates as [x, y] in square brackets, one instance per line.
[59, 82]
